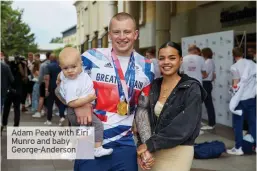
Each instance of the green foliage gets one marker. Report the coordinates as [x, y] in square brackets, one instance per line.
[16, 35]
[56, 40]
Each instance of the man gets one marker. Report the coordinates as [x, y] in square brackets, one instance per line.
[193, 65]
[25, 80]
[6, 81]
[53, 69]
[108, 68]
[14, 93]
[243, 102]
[251, 54]
[3, 58]
[42, 89]
[150, 54]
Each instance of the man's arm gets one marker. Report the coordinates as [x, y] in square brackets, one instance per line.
[9, 74]
[235, 76]
[82, 101]
[203, 68]
[204, 74]
[21, 71]
[235, 82]
[47, 79]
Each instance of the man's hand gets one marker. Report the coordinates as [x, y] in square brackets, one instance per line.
[141, 149]
[46, 93]
[84, 114]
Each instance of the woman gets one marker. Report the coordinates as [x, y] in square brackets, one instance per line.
[35, 92]
[207, 85]
[174, 115]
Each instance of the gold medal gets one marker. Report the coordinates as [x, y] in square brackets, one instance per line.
[122, 108]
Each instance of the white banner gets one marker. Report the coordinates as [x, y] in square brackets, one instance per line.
[38, 143]
[221, 43]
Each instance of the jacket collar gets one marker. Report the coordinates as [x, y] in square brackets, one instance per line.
[186, 82]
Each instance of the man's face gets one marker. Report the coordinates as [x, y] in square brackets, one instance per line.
[2, 56]
[123, 35]
[149, 55]
[30, 56]
[250, 52]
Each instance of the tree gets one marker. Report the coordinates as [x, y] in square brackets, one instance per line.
[16, 36]
[56, 40]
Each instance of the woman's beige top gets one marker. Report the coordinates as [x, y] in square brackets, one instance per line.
[158, 108]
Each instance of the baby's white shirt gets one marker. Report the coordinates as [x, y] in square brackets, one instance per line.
[79, 87]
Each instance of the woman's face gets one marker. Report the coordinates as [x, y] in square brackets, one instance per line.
[169, 61]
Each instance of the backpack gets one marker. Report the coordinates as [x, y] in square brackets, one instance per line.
[248, 145]
[209, 150]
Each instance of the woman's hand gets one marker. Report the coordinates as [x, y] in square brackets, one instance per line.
[146, 160]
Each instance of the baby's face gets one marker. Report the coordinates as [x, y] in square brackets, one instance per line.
[71, 67]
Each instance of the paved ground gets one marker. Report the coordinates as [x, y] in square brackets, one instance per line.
[224, 163]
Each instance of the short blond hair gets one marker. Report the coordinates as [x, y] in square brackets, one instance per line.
[122, 16]
[68, 51]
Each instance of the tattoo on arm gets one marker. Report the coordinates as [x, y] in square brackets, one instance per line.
[142, 119]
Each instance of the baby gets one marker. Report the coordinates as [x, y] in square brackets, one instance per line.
[77, 89]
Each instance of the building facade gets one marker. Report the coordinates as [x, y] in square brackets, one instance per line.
[69, 36]
[161, 21]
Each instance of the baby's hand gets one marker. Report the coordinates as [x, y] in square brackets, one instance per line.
[92, 96]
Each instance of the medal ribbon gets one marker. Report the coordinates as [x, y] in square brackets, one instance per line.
[129, 78]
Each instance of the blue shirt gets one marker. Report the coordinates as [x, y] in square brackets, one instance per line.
[53, 69]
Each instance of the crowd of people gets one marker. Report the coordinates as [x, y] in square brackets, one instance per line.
[32, 80]
[157, 100]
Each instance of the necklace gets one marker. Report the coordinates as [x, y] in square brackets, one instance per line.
[165, 92]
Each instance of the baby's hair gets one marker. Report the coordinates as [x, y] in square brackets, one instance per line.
[68, 52]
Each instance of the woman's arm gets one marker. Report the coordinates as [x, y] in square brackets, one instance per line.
[182, 126]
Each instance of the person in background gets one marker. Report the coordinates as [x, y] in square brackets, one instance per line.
[53, 69]
[14, 93]
[244, 99]
[6, 81]
[35, 92]
[207, 84]
[24, 82]
[193, 65]
[150, 54]
[42, 88]
[37, 57]
[30, 76]
[198, 51]
[251, 54]
[3, 57]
